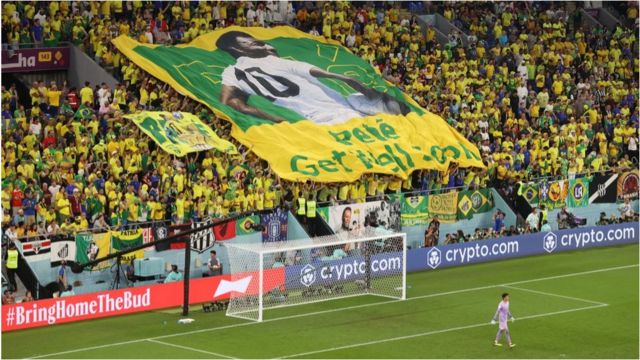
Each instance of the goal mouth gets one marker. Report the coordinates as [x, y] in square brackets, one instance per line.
[297, 272]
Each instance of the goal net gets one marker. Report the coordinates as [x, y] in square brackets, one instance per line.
[296, 272]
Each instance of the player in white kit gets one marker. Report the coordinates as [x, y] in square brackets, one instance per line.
[502, 315]
[294, 85]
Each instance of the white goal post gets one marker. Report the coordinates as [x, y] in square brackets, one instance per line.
[297, 272]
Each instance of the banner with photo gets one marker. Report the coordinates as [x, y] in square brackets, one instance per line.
[557, 192]
[274, 225]
[180, 133]
[308, 106]
[351, 218]
[471, 202]
[578, 193]
[90, 247]
[628, 186]
[127, 239]
[445, 206]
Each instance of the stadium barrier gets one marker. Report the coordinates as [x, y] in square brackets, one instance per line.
[153, 297]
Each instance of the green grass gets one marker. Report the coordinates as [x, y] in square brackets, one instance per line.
[585, 314]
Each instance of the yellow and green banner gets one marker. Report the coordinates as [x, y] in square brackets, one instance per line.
[578, 193]
[127, 239]
[444, 206]
[413, 210]
[180, 133]
[245, 225]
[306, 105]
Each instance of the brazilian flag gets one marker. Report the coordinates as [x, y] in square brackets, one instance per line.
[245, 225]
[474, 202]
[529, 192]
[83, 113]
[578, 193]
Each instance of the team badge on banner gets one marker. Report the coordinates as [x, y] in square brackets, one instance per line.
[602, 188]
[203, 239]
[445, 206]
[327, 114]
[628, 186]
[63, 248]
[578, 193]
[275, 226]
[36, 248]
[414, 210]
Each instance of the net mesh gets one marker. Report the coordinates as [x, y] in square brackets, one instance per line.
[297, 272]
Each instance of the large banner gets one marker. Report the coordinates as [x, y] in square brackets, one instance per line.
[307, 105]
[36, 248]
[445, 206]
[179, 133]
[43, 59]
[529, 191]
[63, 248]
[628, 186]
[471, 202]
[351, 219]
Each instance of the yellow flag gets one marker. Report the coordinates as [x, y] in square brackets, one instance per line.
[307, 105]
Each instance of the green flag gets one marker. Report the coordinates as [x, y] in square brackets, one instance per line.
[83, 113]
[324, 213]
[556, 194]
[127, 239]
[474, 202]
[413, 210]
[578, 193]
[245, 226]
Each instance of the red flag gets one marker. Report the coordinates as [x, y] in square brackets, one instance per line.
[225, 231]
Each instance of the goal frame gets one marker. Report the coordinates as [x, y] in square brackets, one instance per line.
[276, 249]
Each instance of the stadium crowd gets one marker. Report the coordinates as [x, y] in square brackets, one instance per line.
[539, 94]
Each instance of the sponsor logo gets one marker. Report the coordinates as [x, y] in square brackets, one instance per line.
[550, 242]
[308, 275]
[434, 258]
[239, 286]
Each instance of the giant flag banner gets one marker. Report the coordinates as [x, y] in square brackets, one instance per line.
[556, 194]
[306, 105]
[179, 133]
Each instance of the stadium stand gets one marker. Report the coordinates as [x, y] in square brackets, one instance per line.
[541, 95]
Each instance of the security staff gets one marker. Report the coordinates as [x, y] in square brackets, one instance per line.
[311, 215]
[12, 265]
[301, 202]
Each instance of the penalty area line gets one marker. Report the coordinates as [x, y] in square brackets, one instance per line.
[434, 332]
[189, 348]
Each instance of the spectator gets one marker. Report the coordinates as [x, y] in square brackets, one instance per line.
[8, 298]
[533, 220]
[545, 226]
[174, 275]
[27, 297]
[214, 265]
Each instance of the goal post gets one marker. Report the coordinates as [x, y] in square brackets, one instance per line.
[297, 272]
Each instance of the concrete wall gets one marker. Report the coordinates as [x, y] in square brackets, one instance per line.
[83, 68]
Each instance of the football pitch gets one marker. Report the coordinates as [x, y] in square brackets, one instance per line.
[569, 305]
